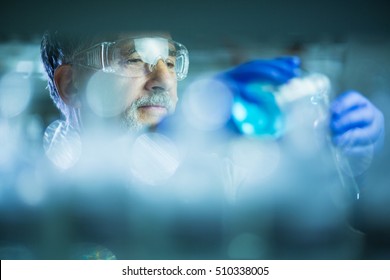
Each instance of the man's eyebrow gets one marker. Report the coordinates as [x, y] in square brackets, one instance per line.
[128, 51]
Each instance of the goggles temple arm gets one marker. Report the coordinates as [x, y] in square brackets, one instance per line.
[96, 57]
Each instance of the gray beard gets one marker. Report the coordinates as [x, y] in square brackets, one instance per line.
[130, 118]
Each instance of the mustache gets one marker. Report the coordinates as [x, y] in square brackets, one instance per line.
[157, 97]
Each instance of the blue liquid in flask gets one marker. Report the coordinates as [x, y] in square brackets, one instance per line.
[257, 112]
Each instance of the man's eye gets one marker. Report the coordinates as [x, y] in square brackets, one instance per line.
[134, 61]
[170, 64]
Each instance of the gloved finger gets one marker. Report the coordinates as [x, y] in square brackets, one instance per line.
[255, 93]
[358, 136]
[348, 101]
[289, 61]
[359, 117]
[289, 64]
[267, 73]
[259, 70]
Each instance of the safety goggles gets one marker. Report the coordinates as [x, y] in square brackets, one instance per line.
[136, 57]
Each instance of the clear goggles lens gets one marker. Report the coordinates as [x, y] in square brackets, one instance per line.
[136, 57]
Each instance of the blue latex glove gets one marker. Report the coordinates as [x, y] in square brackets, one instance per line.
[273, 71]
[252, 84]
[357, 126]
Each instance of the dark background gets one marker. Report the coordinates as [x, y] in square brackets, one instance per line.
[201, 22]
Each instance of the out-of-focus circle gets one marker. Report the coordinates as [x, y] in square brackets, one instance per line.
[15, 94]
[62, 144]
[207, 104]
[103, 95]
[154, 158]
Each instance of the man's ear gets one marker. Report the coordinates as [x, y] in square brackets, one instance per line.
[65, 84]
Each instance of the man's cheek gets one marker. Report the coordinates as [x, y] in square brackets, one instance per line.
[105, 96]
[174, 100]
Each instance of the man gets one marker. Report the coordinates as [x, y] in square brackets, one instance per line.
[144, 96]
[144, 84]
[128, 85]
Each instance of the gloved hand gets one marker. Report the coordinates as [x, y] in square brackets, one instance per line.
[251, 84]
[273, 71]
[357, 126]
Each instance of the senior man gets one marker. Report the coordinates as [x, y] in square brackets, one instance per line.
[126, 85]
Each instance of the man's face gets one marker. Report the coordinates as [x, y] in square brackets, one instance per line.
[148, 98]
[140, 101]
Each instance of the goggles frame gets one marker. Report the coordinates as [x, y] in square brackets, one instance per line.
[101, 57]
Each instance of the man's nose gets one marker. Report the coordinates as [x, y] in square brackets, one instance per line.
[161, 77]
